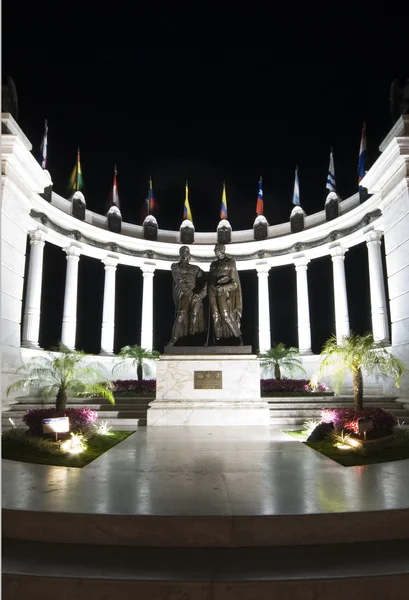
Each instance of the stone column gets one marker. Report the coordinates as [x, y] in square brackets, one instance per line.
[69, 317]
[379, 312]
[108, 311]
[303, 306]
[264, 329]
[340, 293]
[32, 310]
[148, 272]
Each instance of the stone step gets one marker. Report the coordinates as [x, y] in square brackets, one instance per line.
[331, 571]
[38, 400]
[104, 407]
[368, 400]
[309, 411]
[320, 405]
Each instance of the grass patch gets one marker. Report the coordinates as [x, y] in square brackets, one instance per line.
[25, 448]
[299, 435]
[397, 449]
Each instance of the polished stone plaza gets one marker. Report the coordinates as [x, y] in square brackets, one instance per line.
[207, 471]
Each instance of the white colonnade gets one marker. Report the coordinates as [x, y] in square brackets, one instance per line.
[31, 320]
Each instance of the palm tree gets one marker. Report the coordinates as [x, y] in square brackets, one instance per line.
[139, 356]
[281, 358]
[358, 354]
[61, 373]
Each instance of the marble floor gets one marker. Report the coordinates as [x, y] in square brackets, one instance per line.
[207, 471]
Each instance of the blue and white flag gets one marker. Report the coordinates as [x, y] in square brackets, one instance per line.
[331, 175]
[43, 157]
[362, 156]
[296, 194]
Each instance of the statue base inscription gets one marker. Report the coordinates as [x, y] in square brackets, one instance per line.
[188, 391]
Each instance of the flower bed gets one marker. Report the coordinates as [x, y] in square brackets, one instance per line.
[347, 419]
[301, 386]
[80, 418]
[146, 386]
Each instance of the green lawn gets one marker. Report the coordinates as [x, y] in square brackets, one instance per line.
[44, 452]
[352, 458]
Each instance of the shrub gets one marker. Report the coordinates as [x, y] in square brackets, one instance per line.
[80, 418]
[347, 418]
[145, 386]
[291, 385]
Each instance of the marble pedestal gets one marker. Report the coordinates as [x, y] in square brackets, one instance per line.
[183, 396]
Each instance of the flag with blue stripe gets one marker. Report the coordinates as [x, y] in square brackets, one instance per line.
[296, 194]
[331, 175]
[43, 156]
[362, 156]
[223, 208]
[260, 201]
[187, 213]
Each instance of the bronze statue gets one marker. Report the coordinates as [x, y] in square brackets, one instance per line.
[189, 289]
[225, 298]
[399, 99]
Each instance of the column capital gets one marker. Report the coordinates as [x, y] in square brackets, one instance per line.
[374, 237]
[72, 251]
[37, 237]
[110, 262]
[301, 263]
[338, 252]
[148, 269]
[263, 268]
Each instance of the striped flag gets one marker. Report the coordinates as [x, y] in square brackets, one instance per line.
[223, 209]
[115, 195]
[363, 192]
[362, 156]
[187, 213]
[43, 149]
[151, 205]
[76, 179]
[260, 201]
[296, 193]
[331, 174]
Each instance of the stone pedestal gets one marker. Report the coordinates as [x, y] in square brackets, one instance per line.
[208, 390]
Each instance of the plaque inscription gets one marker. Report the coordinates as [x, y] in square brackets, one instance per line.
[207, 380]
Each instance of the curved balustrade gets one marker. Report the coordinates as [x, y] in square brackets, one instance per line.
[26, 212]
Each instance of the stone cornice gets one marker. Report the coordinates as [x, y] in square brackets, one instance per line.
[334, 235]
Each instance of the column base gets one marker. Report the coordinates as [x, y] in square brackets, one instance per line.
[306, 352]
[105, 353]
[31, 346]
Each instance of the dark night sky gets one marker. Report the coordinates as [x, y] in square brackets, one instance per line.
[206, 116]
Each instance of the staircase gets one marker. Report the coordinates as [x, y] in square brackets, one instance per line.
[295, 411]
[129, 412]
[126, 414]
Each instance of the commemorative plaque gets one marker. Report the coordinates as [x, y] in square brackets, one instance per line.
[207, 380]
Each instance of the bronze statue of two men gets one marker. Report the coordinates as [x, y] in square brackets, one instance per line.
[223, 290]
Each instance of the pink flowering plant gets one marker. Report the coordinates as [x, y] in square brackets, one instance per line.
[348, 419]
[80, 418]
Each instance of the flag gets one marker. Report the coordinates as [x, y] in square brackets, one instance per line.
[151, 206]
[260, 201]
[115, 196]
[331, 174]
[296, 194]
[43, 156]
[362, 156]
[76, 180]
[187, 214]
[363, 192]
[223, 209]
